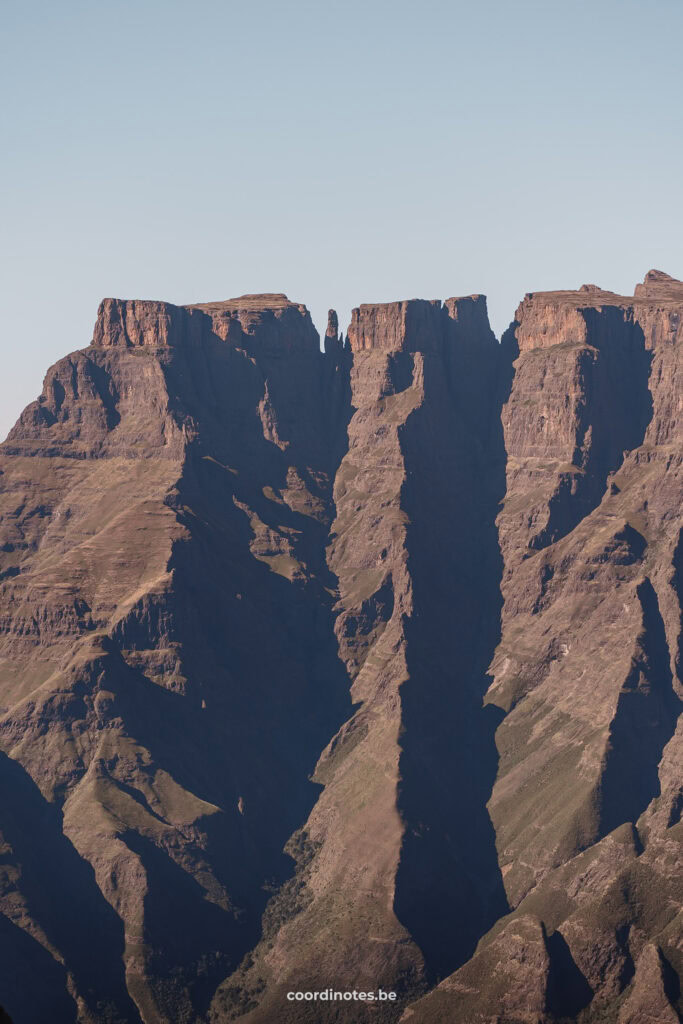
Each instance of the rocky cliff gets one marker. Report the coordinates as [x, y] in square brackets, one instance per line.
[347, 669]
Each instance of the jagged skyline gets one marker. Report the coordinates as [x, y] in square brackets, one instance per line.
[342, 154]
[356, 668]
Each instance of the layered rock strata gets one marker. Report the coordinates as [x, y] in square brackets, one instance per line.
[586, 803]
[346, 669]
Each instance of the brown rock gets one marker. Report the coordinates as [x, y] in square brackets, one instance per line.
[647, 1002]
[347, 669]
[507, 979]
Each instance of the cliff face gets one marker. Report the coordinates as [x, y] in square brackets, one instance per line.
[586, 802]
[352, 669]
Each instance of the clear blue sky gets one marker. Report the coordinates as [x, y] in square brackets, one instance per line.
[342, 152]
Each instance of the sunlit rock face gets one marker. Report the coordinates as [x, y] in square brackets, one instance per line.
[352, 668]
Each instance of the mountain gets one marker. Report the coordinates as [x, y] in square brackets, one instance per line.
[347, 669]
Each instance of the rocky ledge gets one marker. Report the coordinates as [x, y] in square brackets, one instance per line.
[353, 669]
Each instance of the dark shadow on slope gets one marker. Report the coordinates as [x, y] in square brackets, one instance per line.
[677, 584]
[449, 888]
[617, 406]
[105, 386]
[670, 980]
[63, 897]
[645, 721]
[568, 990]
[32, 982]
[267, 671]
[262, 689]
[177, 913]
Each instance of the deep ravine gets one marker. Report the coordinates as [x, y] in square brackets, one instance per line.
[352, 668]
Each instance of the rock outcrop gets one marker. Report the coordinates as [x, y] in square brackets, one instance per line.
[347, 669]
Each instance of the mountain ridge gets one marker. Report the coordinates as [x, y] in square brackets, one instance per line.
[352, 669]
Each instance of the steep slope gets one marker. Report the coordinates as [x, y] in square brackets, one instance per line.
[414, 551]
[168, 647]
[351, 669]
[586, 805]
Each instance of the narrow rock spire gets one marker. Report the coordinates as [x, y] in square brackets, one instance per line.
[332, 325]
[333, 342]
